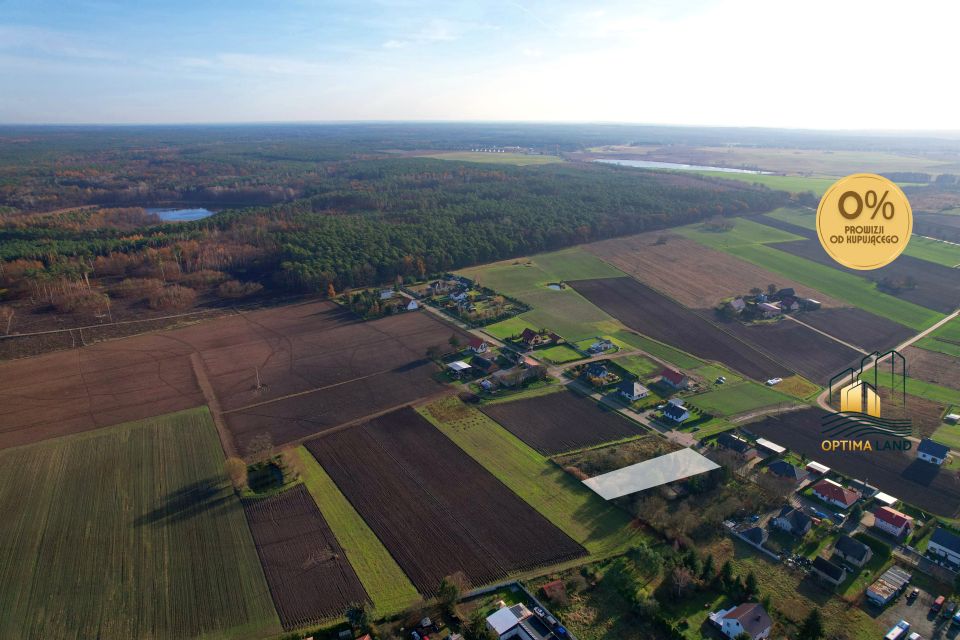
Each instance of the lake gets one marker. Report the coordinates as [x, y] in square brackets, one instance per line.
[652, 164]
[181, 215]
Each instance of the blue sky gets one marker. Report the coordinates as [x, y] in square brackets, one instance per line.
[819, 64]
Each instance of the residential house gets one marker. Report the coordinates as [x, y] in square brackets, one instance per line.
[532, 338]
[632, 390]
[750, 618]
[835, 494]
[413, 305]
[600, 346]
[784, 469]
[517, 623]
[674, 379]
[755, 536]
[737, 445]
[478, 345]
[932, 452]
[945, 545]
[386, 294]
[793, 521]
[852, 550]
[596, 370]
[459, 297]
[736, 306]
[769, 309]
[892, 521]
[675, 411]
[828, 571]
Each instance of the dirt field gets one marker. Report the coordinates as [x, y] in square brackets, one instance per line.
[594, 462]
[938, 225]
[434, 508]
[646, 311]
[858, 327]
[898, 473]
[309, 576]
[930, 366]
[688, 272]
[339, 368]
[811, 354]
[561, 422]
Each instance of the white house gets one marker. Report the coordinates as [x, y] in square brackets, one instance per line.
[508, 623]
[946, 545]
[750, 618]
[413, 305]
[633, 390]
[892, 521]
[835, 494]
[933, 452]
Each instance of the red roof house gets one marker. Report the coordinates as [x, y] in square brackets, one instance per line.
[477, 345]
[674, 378]
[829, 491]
[892, 521]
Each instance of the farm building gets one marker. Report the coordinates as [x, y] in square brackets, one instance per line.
[828, 571]
[784, 469]
[892, 521]
[633, 390]
[932, 452]
[888, 585]
[750, 618]
[853, 551]
[675, 411]
[771, 447]
[736, 444]
[885, 499]
[769, 309]
[816, 467]
[945, 545]
[458, 368]
[952, 418]
[835, 494]
[737, 305]
[674, 379]
[793, 521]
[519, 375]
[386, 294]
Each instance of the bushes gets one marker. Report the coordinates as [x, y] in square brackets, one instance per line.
[237, 289]
[79, 300]
[202, 278]
[172, 297]
[137, 287]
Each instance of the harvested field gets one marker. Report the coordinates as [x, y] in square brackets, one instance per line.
[857, 327]
[646, 311]
[309, 575]
[128, 532]
[811, 354]
[690, 273]
[938, 225]
[561, 422]
[930, 366]
[935, 287]
[898, 473]
[316, 352]
[434, 508]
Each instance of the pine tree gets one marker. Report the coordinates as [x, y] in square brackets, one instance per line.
[812, 627]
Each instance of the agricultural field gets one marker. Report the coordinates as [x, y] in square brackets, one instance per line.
[600, 527]
[310, 578]
[897, 473]
[131, 531]
[938, 225]
[946, 339]
[792, 184]
[318, 367]
[660, 350]
[736, 398]
[745, 232]
[929, 366]
[857, 327]
[561, 422]
[645, 310]
[691, 274]
[640, 366]
[518, 159]
[396, 471]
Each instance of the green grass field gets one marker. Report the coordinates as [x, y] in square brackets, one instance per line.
[712, 427]
[386, 583]
[600, 527]
[732, 399]
[949, 331]
[745, 232]
[559, 354]
[132, 531]
[638, 365]
[508, 328]
[519, 159]
[659, 350]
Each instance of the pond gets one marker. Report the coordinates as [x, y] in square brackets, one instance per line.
[652, 164]
[554, 286]
[181, 215]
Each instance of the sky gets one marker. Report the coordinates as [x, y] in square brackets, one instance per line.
[838, 64]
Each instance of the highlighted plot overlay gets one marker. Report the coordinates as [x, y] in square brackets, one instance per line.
[671, 467]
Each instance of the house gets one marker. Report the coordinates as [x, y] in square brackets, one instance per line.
[477, 345]
[828, 571]
[750, 618]
[892, 521]
[737, 445]
[793, 521]
[413, 305]
[833, 493]
[933, 452]
[517, 623]
[784, 469]
[532, 338]
[789, 303]
[736, 306]
[632, 390]
[386, 294]
[519, 375]
[487, 385]
[952, 418]
[459, 297]
[945, 545]
[755, 536]
[674, 379]
[888, 585]
[676, 412]
[600, 346]
[852, 550]
[458, 368]
[596, 370]
[769, 309]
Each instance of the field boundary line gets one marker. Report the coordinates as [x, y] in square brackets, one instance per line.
[200, 373]
[824, 333]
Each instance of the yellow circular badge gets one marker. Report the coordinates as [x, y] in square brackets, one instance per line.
[864, 221]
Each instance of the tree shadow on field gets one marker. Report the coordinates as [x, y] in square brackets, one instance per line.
[921, 472]
[188, 502]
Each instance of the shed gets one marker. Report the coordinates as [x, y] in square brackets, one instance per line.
[816, 467]
[772, 447]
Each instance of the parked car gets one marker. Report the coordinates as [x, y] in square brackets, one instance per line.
[948, 610]
[913, 594]
[540, 612]
[774, 381]
[937, 604]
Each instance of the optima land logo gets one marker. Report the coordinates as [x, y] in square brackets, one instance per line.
[859, 424]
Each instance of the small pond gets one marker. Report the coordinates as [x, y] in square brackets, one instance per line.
[181, 215]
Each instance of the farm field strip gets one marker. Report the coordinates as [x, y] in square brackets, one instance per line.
[602, 528]
[930, 366]
[561, 422]
[388, 587]
[857, 327]
[129, 531]
[732, 399]
[396, 471]
[946, 339]
[309, 577]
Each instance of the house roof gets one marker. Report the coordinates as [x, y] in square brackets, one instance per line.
[827, 568]
[752, 617]
[675, 411]
[892, 517]
[885, 498]
[771, 446]
[528, 334]
[946, 539]
[769, 306]
[851, 547]
[817, 467]
[932, 448]
[755, 535]
[458, 365]
[506, 618]
[833, 491]
[784, 469]
[797, 519]
[633, 388]
[787, 291]
[476, 343]
[729, 441]
[673, 377]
